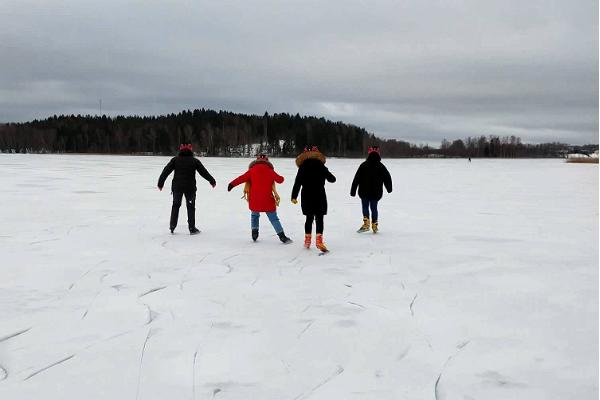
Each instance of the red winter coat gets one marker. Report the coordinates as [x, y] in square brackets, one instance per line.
[261, 176]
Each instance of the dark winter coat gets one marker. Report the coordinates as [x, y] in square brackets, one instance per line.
[261, 176]
[311, 177]
[370, 178]
[185, 166]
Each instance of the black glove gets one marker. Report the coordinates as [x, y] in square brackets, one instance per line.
[229, 187]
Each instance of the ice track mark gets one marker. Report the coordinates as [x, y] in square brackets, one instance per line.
[403, 354]
[152, 315]
[412, 302]
[152, 291]
[72, 285]
[356, 304]
[306, 328]
[228, 265]
[49, 366]
[12, 335]
[194, 376]
[137, 392]
[3, 373]
[80, 278]
[460, 347]
[301, 396]
[184, 279]
[74, 227]
[89, 306]
[43, 241]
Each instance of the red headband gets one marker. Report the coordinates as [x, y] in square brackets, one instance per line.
[374, 149]
[184, 146]
[311, 148]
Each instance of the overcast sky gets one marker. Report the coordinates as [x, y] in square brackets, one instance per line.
[417, 70]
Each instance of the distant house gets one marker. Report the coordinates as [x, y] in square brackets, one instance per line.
[583, 158]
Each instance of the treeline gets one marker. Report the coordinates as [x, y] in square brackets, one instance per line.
[222, 133]
[507, 147]
[213, 133]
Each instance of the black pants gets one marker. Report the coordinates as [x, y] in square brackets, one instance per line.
[309, 221]
[190, 203]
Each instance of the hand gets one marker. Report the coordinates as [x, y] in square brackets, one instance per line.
[229, 187]
[294, 201]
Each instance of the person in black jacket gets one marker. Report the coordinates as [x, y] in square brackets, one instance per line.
[185, 166]
[311, 177]
[370, 178]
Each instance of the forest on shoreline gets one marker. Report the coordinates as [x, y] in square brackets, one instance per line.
[228, 134]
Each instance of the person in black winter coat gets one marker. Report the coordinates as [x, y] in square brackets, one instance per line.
[185, 166]
[311, 177]
[370, 178]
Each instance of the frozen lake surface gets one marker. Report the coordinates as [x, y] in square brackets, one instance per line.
[482, 284]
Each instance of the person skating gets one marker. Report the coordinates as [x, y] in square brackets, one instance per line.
[311, 176]
[370, 178]
[185, 166]
[259, 191]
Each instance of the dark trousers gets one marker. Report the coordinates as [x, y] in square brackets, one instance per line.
[366, 203]
[309, 222]
[190, 203]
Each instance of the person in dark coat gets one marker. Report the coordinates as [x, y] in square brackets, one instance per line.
[261, 177]
[369, 179]
[311, 177]
[185, 166]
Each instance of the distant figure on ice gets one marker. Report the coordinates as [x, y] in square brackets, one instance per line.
[261, 194]
[311, 177]
[370, 178]
[185, 166]
[469, 159]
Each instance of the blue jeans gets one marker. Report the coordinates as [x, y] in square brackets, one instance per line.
[254, 216]
[366, 203]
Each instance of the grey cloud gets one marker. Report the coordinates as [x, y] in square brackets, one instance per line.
[418, 71]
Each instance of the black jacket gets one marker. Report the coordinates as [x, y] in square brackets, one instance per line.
[185, 166]
[370, 178]
[311, 176]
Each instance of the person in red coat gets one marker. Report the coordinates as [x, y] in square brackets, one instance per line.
[261, 176]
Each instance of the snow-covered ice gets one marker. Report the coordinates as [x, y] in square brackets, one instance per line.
[482, 284]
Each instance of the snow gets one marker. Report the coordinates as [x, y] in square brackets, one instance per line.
[482, 284]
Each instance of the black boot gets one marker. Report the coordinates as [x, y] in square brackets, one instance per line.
[254, 234]
[284, 239]
[194, 231]
[172, 230]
